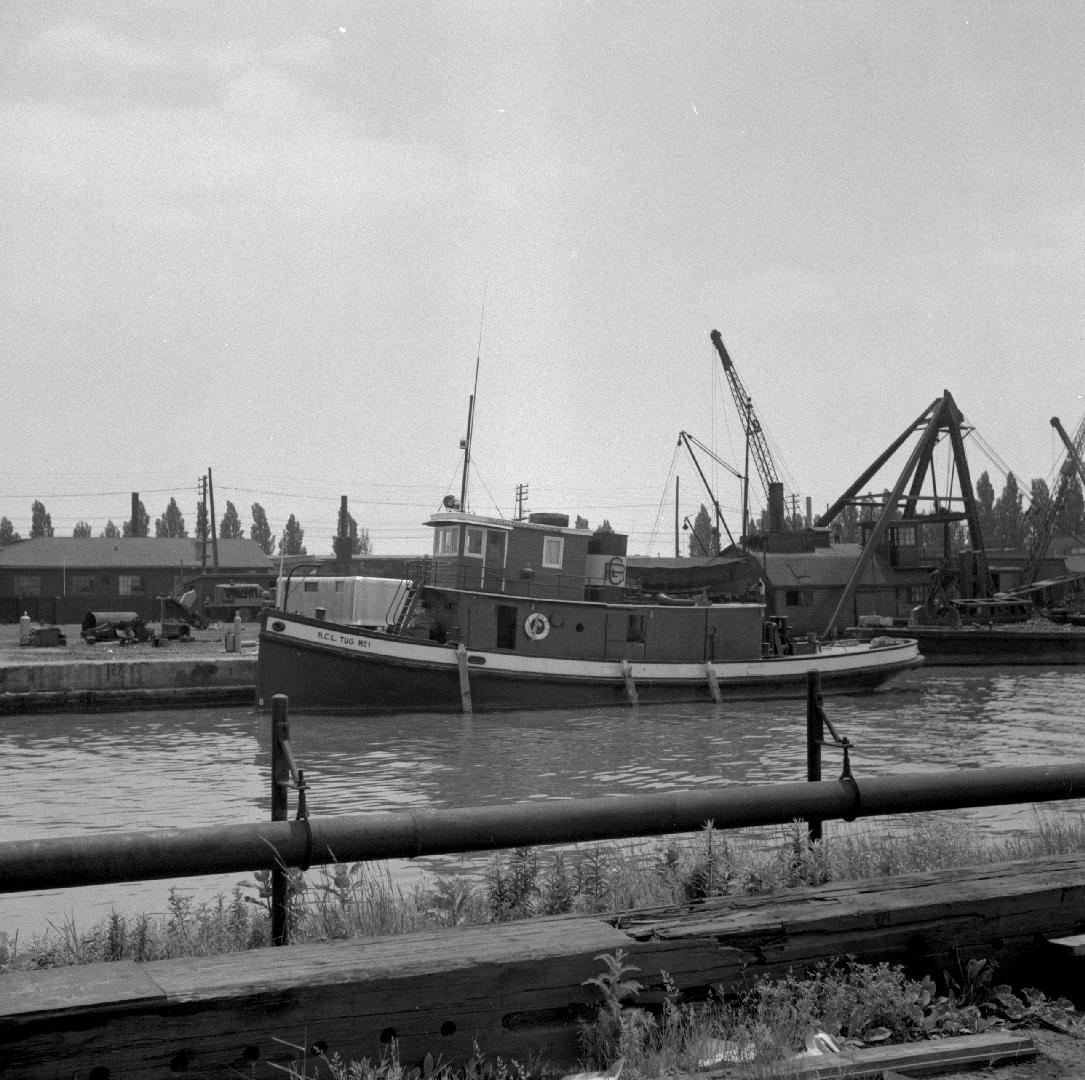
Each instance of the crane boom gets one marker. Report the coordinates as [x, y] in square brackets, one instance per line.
[687, 440]
[755, 434]
[1045, 528]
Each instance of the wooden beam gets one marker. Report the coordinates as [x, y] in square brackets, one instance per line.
[914, 1059]
[1069, 946]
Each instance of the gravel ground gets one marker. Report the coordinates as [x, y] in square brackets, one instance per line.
[201, 643]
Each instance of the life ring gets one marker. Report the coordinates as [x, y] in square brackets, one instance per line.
[616, 571]
[536, 626]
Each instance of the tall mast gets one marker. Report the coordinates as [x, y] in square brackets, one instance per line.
[471, 411]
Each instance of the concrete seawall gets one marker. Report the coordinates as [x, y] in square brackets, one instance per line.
[83, 678]
[121, 684]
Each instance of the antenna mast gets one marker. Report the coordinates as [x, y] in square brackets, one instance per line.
[471, 410]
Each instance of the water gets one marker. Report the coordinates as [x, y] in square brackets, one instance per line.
[71, 775]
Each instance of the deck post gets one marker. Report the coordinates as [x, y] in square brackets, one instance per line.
[465, 678]
[713, 682]
[280, 787]
[630, 685]
[815, 737]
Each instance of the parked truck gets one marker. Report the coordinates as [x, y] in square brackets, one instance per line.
[244, 598]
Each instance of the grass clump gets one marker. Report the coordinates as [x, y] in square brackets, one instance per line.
[319, 1061]
[228, 924]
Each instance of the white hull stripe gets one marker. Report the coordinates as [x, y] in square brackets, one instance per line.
[852, 658]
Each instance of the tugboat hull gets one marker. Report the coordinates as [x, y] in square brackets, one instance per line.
[323, 667]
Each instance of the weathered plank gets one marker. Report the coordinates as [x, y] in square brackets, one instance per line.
[514, 987]
[1069, 946]
[921, 920]
[915, 1059]
[84, 989]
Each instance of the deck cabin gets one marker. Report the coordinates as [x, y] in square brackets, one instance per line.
[540, 586]
[541, 557]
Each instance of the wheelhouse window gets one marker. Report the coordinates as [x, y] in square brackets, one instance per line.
[553, 552]
[473, 544]
[130, 585]
[446, 540]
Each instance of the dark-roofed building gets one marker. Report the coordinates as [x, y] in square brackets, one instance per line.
[807, 585]
[60, 579]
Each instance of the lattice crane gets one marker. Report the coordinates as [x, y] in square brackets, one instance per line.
[763, 462]
[1045, 527]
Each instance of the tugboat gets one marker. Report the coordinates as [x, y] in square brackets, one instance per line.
[524, 614]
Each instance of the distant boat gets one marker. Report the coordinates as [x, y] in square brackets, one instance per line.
[523, 614]
[996, 610]
[1007, 645]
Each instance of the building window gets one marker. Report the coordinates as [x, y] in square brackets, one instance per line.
[917, 594]
[27, 584]
[80, 583]
[310, 586]
[130, 585]
[793, 598]
[553, 552]
[473, 544]
[446, 540]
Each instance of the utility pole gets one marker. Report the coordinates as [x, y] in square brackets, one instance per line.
[203, 539]
[521, 499]
[211, 521]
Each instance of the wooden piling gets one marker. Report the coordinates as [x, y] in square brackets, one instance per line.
[465, 679]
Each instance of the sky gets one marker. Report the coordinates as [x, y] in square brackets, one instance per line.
[276, 240]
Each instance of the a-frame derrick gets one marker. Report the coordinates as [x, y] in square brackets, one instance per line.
[941, 418]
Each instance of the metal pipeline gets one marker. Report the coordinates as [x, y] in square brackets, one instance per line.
[219, 849]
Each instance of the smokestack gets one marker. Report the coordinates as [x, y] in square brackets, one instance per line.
[776, 507]
[342, 541]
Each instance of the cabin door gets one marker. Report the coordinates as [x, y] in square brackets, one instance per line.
[493, 569]
[625, 635]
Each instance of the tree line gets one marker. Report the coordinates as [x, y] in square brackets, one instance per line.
[1005, 521]
[172, 524]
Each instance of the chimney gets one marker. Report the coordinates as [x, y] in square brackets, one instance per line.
[341, 544]
[776, 507]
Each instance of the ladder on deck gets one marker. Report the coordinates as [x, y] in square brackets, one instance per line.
[410, 599]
